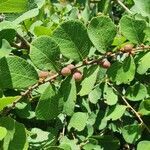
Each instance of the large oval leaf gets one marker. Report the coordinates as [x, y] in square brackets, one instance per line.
[133, 29]
[17, 73]
[102, 31]
[73, 40]
[45, 53]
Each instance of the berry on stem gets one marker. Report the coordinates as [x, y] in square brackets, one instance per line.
[71, 66]
[105, 63]
[77, 76]
[43, 74]
[128, 48]
[66, 71]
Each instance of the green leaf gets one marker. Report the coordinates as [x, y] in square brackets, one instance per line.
[13, 6]
[142, 8]
[7, 31]
[107, 142]
[144, 108]
[17, 73]
[133, 29]
[89, 81]
[95, 95]
[122, 72]
[39, 136]
[44, 53]
[136, 92]
[27, 15]
[68, 144]
[131, 133]
[101, 31]
[143, 65]
[5, 49]
[73, 40]
[48, 105]
[3, 133]
[68, 95]
[116, 112]
[78, 121]
[109, 95]
[16, 135]
[143, 145]
[7, 100]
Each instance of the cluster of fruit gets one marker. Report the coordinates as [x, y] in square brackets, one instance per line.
[77, 74]
[70, 69]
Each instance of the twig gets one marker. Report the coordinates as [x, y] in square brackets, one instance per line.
[25, 43]
[39, 83]
[126, 9]
[129, 106]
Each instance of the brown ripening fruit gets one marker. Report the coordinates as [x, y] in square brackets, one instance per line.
[128, 48]
[43, 74]
[105, 63]
[77, 76]
[66, 71]
[71, 66]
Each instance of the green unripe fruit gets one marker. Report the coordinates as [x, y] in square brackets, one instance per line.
[66, 71]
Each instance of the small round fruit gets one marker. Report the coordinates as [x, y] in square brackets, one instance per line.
[43, 74]
[105, 63]
[71, 66]
[65, 71]
[77, 76]
[128, 48]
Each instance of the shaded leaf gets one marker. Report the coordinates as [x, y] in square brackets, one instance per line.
[48, 105]
[68, 95]
[89, 80]
[16, 135]
[131, 133]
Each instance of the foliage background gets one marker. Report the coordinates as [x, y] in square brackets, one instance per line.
[108, 109]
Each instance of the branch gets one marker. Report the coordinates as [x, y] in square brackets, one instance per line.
[129, 106]
[24, 42]
[123, 6]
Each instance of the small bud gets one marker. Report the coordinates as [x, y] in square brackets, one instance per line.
[65, 71]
